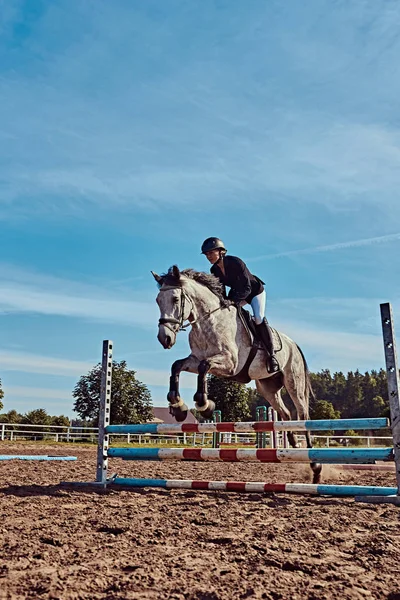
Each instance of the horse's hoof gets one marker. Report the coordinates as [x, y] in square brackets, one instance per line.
[208, 413]
[180, 413]
[317, 470]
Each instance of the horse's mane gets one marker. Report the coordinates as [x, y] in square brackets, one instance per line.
[209, 281]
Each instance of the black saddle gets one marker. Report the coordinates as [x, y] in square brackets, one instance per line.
[250, 326]
[248, 323]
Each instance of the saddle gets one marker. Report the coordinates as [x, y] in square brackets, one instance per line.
[256, 344]
[250, 326]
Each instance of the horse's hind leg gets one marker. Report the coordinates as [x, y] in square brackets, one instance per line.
[270, 389]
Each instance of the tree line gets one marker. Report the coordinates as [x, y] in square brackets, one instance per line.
[336, 396]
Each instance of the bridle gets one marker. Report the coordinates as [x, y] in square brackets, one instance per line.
[181, 317]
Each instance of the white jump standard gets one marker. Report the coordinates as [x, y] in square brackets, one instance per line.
[393, 381]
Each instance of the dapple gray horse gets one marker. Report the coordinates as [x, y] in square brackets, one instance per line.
[220, 344]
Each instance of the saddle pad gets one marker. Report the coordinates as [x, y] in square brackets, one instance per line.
[276, 339]
[248, 323]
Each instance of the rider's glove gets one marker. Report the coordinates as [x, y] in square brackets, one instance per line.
[225, 303]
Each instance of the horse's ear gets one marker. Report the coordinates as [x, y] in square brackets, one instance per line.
[176, 272]
[156, 277]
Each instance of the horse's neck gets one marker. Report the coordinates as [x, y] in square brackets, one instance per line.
[213, 324]
[203, 301]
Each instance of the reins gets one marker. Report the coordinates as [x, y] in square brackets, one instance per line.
[183, 327]
[180, 321]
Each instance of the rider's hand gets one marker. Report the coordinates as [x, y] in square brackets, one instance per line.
[225, 303]
[239, 303]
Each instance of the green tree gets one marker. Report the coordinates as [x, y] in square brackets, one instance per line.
[322, 383]
[38, 416]
[254, 400]
[381, 384]
[377, 407]
[1, 396]
[322, 409]
[82, 423]
[354, 396]
[61, 420]
[337, 395]
[130, 399]
[230, 397]
[12, 416]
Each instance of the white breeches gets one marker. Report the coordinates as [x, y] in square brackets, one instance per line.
[258, 306]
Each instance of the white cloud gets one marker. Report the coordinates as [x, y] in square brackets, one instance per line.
[309, 156]
[161, 378]
[337, 350]
[27, 292]
[33, 392]
[383, 239]
[47, 365]
[207, 123]
[32, 363]
[350, 315]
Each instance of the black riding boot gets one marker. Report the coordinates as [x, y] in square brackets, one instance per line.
[265, 335]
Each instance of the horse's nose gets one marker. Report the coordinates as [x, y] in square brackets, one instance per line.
[165, 338]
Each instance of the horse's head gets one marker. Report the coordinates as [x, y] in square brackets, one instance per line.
[175, 306]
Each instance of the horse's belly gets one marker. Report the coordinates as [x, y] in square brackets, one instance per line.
[258, 368]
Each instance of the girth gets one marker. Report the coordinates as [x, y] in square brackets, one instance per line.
[243, 375]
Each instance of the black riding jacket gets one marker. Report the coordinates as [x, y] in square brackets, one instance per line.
[244, 285]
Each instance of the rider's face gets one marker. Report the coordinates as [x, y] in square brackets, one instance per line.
[213, 256]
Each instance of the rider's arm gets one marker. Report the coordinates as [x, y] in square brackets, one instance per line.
[216, 273]
[242, 288]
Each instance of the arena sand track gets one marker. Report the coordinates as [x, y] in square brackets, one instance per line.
[156, 544]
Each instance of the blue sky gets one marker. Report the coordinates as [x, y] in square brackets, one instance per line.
[130, 131]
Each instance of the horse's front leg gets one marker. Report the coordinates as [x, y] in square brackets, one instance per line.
[177, 407]
[205, 406]
[220, 362]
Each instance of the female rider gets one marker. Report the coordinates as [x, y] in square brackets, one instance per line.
[245, 288]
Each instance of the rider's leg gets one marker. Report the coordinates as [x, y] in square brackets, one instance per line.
[258, 306]
[264, 331]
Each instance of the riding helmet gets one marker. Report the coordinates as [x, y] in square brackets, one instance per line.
[212, 243]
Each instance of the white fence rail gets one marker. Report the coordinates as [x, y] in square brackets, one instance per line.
[62, 433]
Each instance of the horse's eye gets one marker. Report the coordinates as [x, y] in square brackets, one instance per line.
[176, 300]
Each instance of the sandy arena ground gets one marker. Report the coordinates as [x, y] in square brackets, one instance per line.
[183, 545]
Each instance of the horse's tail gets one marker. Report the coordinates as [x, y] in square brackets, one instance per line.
[308, 392]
